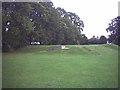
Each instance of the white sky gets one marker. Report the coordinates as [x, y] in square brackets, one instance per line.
[96, 14]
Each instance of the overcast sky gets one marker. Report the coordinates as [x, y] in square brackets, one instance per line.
[96, 14]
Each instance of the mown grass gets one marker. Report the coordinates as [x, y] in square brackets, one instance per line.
[82, 66]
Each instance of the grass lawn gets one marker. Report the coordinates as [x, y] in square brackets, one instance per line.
[82, 66]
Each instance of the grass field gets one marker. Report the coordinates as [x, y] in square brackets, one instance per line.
[82, 66]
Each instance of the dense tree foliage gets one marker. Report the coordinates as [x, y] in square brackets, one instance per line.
[16, 25]
[103, 40]
[24, 23]
[114, 30]
[94, 40]
[83, 39]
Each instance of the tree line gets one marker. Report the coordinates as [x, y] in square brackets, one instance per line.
[26, 22]
[23, 23]
[114, 34]
[93, 40]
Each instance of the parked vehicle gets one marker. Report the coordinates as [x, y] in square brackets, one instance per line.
[35, 43]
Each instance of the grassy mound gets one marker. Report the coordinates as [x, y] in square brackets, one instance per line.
[82, 66]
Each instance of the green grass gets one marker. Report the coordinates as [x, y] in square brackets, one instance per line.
[82, 66]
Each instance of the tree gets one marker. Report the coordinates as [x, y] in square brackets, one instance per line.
[93, 40]
[73, 25]
[16, 24]
[83, 39]
[103, 40]
[24, 23]
[75, 19]
[114, 30]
